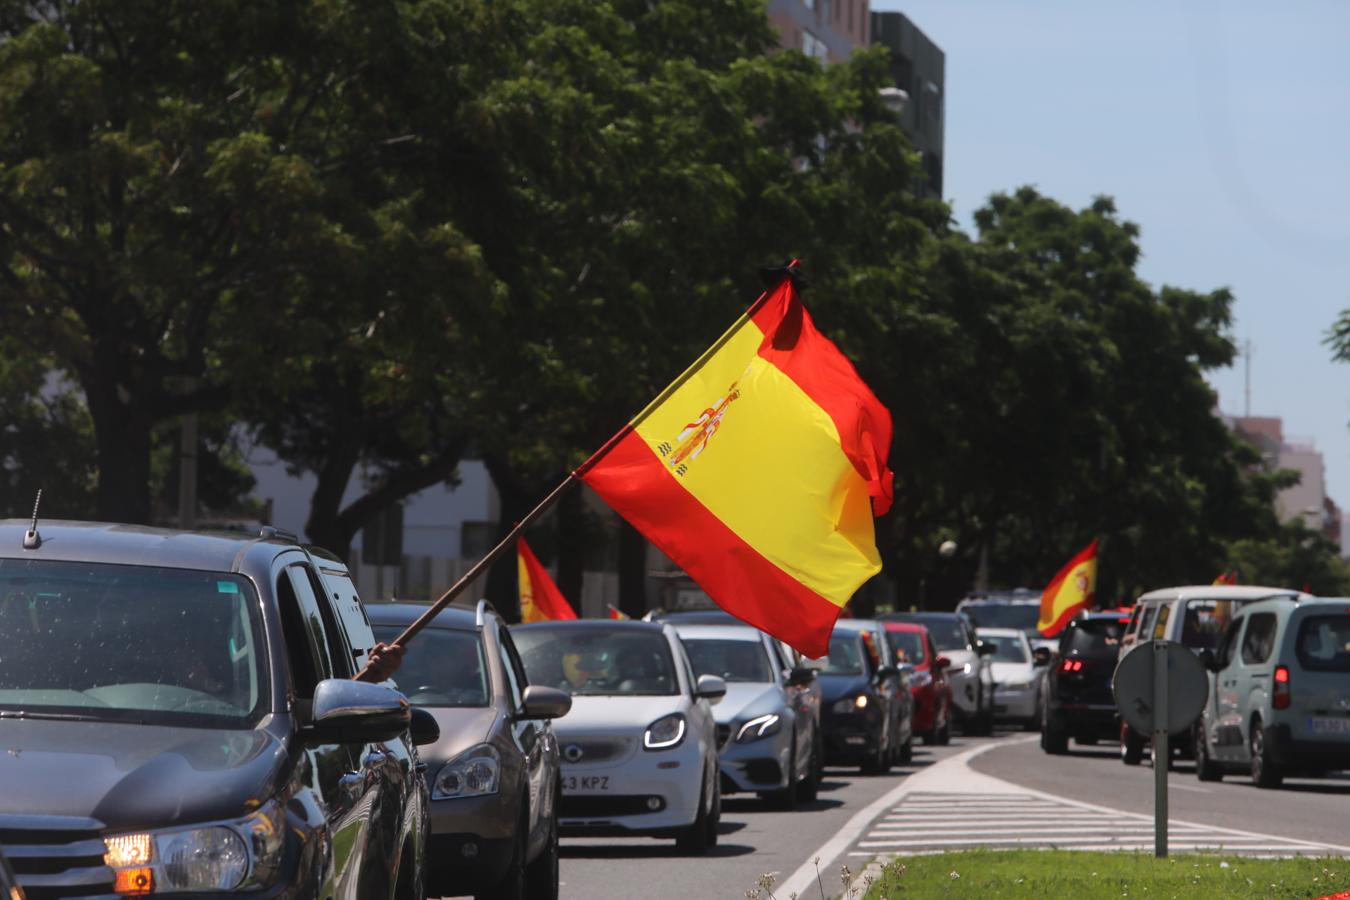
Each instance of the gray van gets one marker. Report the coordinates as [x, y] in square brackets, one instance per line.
[1279, 699]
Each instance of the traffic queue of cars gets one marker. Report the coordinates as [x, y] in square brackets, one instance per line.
[1279, 680]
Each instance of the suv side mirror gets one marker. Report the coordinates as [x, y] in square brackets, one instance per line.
[942, 663]
[887, 672]
[801, 676]
[424, 728]
[984, 648]
[710, 688]
[354, 712]
[1040, 656]
[1208, 659]
[540, 702]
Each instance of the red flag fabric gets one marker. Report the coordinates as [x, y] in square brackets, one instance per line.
[540, 599]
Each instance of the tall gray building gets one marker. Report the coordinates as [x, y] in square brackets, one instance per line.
[827, 30]
[919, 69]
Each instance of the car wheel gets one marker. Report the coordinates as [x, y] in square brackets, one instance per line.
[541, 876]
[907, 752]
[1053, 738]
[714, 824]
[1265, 772]
[1206, 769]
[1131, 746]
[808, 789]
[512, 885]
[786, 798]
[694, 838]
[944, 734]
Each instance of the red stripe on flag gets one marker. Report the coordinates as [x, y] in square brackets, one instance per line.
[794, 346]
[735, 575]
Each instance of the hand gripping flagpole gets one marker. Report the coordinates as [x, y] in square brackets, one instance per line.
[791, 270]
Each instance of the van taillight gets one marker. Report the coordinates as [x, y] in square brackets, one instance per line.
[1281, 697]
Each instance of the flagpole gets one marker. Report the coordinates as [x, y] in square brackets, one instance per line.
[478, 568]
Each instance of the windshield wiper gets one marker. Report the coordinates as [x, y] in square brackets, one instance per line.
[33, 714]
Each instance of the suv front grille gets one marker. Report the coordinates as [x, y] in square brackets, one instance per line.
[56, 856]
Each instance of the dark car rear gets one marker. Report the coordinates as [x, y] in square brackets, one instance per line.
[1078, 702]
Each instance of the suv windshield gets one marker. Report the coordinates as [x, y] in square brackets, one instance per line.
[591, 661]
[845, 656]
[443, 667]
[730, 660]
[1324, 643]
[1089, 636]
[1022, 616]
[137, 643]
[1006, 648]
[908, 646]
[947, 631]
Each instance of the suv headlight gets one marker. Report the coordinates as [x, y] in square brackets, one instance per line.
[665, 733]
[851, 704]
[760, 727]
[230, 856]
[474, 773]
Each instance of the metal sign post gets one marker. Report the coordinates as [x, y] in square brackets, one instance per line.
[1161, 751]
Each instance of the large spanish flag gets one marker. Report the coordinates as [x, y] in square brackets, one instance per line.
[1073, 589]
[540, 599]
[758, 472]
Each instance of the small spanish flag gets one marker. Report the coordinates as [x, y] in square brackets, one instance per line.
[1073, 589]
[616, 613]
[759, 471]
[1226, 578]
[540, 599]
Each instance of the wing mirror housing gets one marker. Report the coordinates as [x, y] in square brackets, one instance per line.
[355, 712]
[710, 688]
[540, 702]
[1040, 656]
[1208, 660]
[801, 676]
[887, 672]
[942, 663]
[424, 727]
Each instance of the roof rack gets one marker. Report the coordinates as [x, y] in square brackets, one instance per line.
[480, 614]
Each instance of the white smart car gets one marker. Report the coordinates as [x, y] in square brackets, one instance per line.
[639, 747]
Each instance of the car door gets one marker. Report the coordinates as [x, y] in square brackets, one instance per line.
[530, 737]
[797, 699]
[1225, 733]
[1252, 675]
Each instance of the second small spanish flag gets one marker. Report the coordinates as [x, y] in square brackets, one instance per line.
[540, 599]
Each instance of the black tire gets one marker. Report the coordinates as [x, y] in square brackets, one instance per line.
[1054, 740]
[512, 885]
[541, 875]
[906, 753]
[1206, 769]
[1265, 771]
[943, 736]
[1131, 746]
[879, 763]
[808, 789]
[702, 834]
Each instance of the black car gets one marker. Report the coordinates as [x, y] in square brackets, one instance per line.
[180, 717]
[494, 774]
[1076, 696]
[857, 718]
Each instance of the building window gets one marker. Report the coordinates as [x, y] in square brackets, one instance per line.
[814, 47]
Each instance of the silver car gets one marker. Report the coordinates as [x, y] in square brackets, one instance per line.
[639, 746]
[766, 727]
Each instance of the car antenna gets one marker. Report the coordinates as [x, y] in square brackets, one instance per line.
[31, 539]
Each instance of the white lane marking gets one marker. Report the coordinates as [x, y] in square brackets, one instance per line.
[1187, 787]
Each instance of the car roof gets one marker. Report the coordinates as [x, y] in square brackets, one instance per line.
[914, 627]
[858, 625]
[593, 625]
[924, 616]
[452, 616]
[136, 545]
[1001, 632]
[1298, 602]
[1219, 592]
[718, 632]
[699, 616]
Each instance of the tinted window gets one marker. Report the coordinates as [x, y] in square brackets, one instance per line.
[908, 646]
[1160, 626]
[1006, 648]
[845, 656]
[441, 667]
[1205, 623]
[166, 646]
[1022, 616]
[1086, 636]
[948, 632]
[1324, 643]
[585, 661]
[1259, 638]
[1225, 654]
[741, 661]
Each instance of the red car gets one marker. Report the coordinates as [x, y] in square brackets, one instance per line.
[912, 646]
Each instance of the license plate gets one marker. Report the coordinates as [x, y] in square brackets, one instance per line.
[585, 782]
[1328, 725]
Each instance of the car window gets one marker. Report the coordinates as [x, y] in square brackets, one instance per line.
[442, 667]
[1225, 654]
[1204, 623]
[845, 656]
[948, 634]
[624, 662]
[313, 598]
[731, 660]
[908, 647]
[1146, 621]
[515, 685]
[1135, 616]
[1160, 623]
[1006, 648]
[351, 611]
[1323, 643]
[1022, 616]
[132, 643]
[306, 646]
[869, 642]
[1092, 636]
[1259, 639]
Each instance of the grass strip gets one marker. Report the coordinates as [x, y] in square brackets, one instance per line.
[1084, 874]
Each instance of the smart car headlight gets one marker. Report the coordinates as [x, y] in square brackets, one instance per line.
[665, 733]
[225, 857]
[759, 727]
[474, 773]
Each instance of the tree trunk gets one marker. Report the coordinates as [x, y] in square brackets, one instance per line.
[122, 426]
[632, 571]
[572, 538]
[325, 525]
[516, 501]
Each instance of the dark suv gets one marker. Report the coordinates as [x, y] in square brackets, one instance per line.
[494, 773]
[1076, 696]
[179, 717]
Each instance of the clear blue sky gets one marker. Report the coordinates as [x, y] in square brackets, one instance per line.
[1221, 128]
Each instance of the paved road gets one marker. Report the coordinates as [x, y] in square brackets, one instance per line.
[1304, 809]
